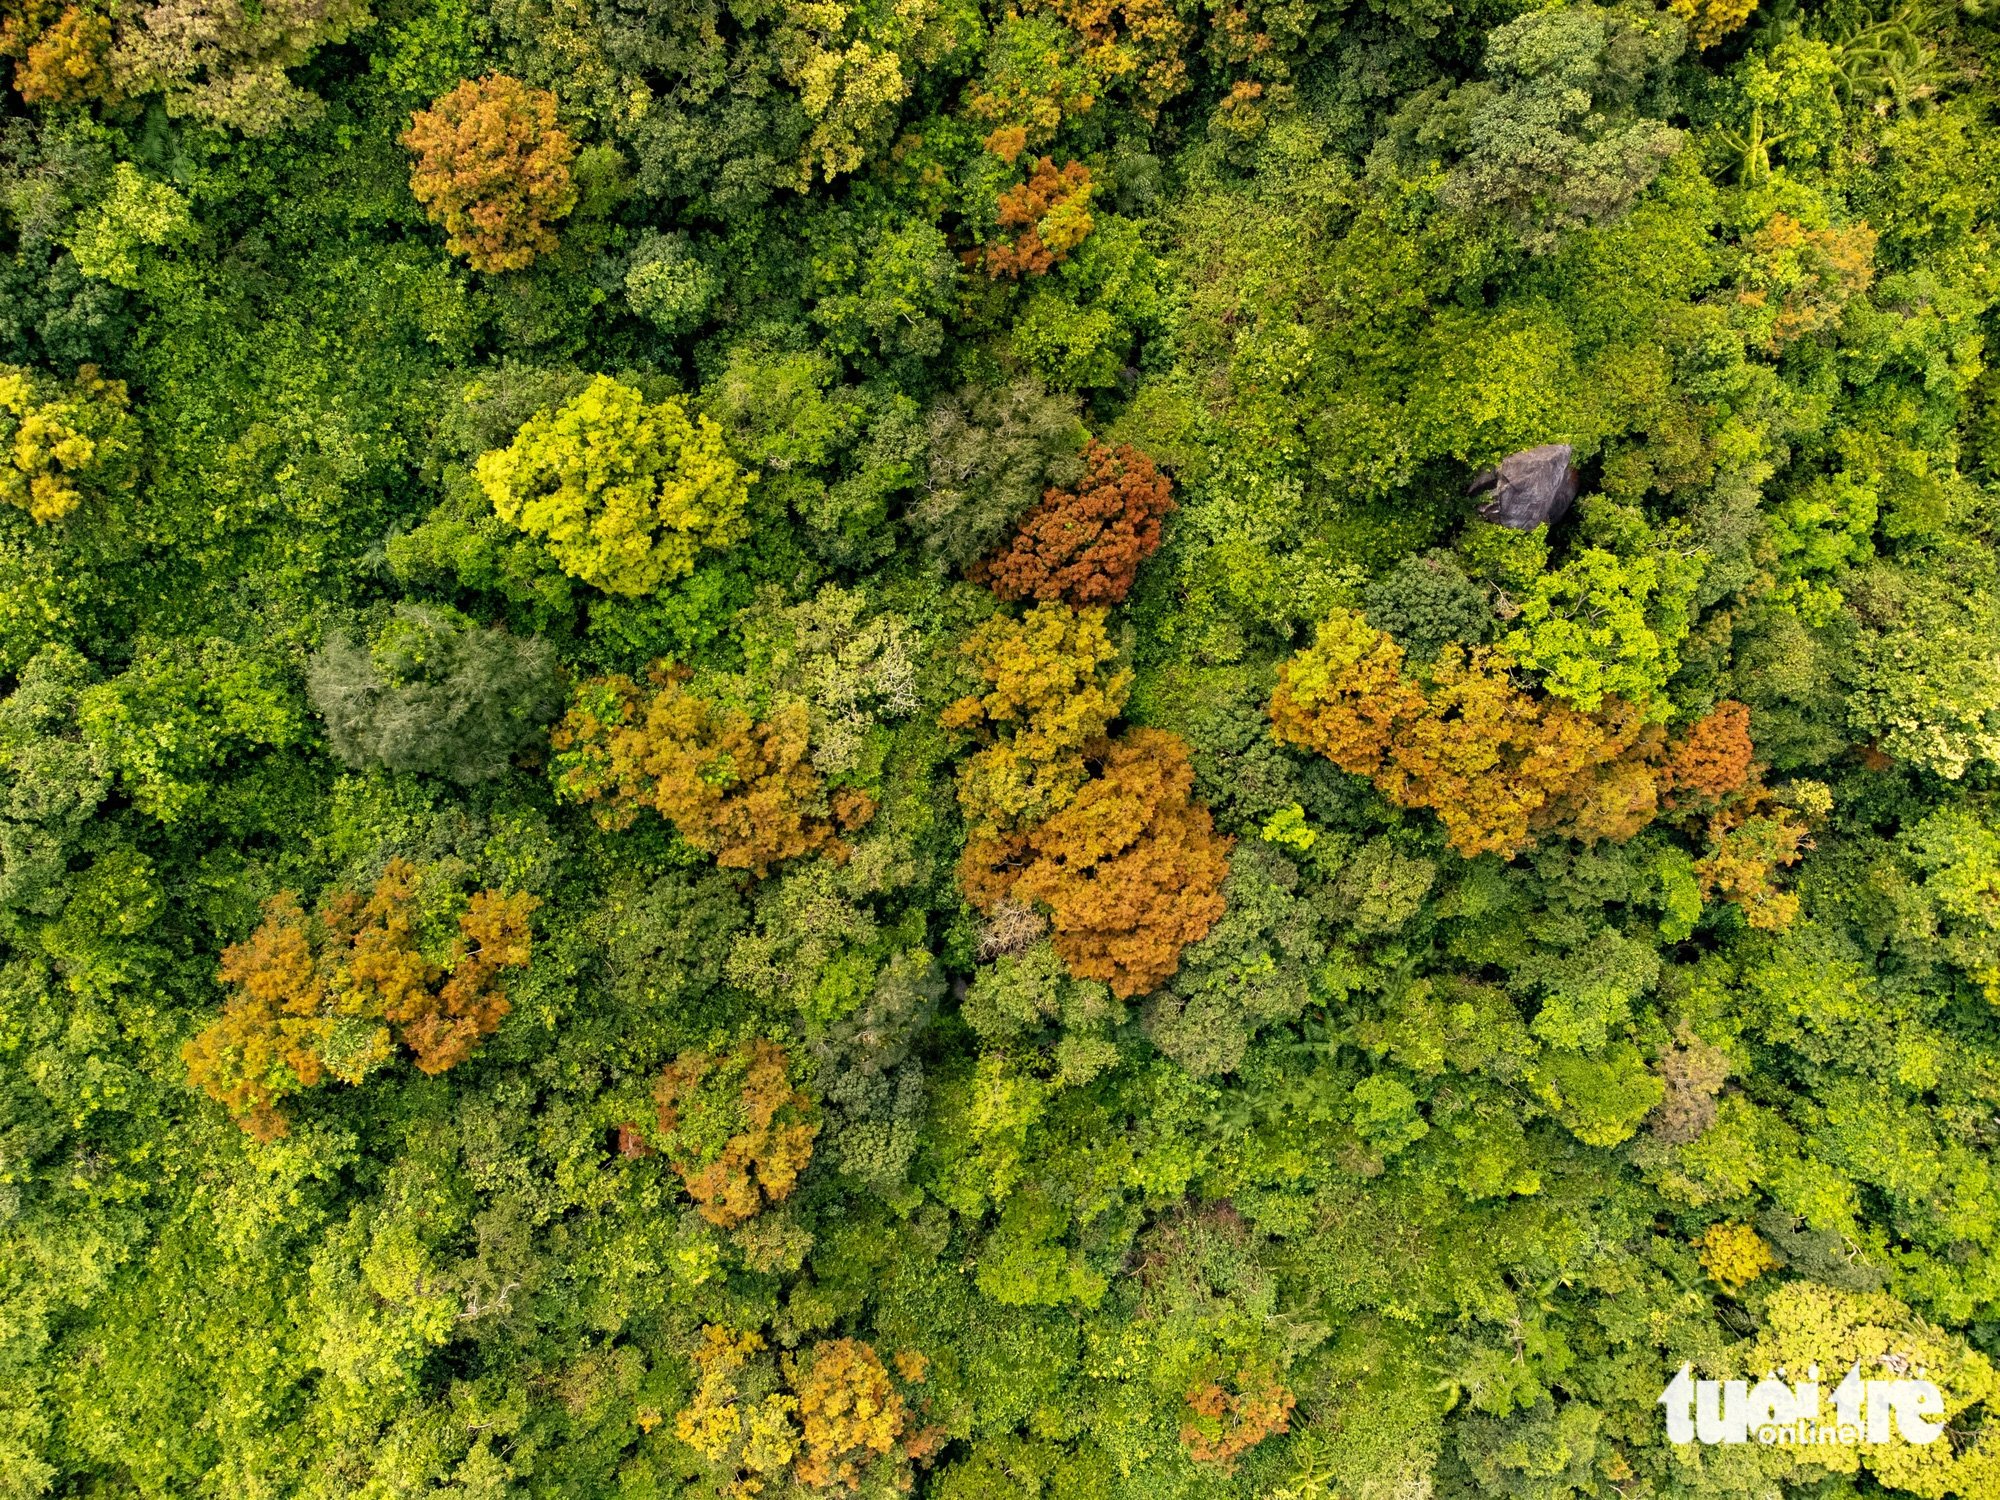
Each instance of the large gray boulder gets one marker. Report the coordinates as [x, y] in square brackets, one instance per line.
[1531, 487]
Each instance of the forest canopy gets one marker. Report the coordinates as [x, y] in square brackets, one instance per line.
[807, 750]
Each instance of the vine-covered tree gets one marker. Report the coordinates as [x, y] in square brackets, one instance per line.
[735, 1129]
[993, 452]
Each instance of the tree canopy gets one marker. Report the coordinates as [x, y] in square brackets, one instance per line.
[784, 750]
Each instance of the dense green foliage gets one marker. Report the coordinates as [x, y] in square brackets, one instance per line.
[765, 749]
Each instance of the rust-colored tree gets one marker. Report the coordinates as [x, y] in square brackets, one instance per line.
[1084, 546]
[332, 994]
[493, 168]
[1712, 774]
[741, 789]
[1715, 759]
[1131, 870]
[1048, 215]
[735, 1129]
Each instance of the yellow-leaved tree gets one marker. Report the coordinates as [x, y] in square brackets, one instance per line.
[832, 1417]
[625, 493]
[742, 789]
[1052, 688]
[60, 445]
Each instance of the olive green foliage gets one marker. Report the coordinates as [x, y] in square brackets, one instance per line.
[1427, 603]
[668, 285]
[501, 693]
[1565, 129]
[432, 691]
[1253, 968]
[993, 452]
[840, 456]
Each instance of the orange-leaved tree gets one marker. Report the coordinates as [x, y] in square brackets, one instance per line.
[1499, 766]
[1049, 215]
[493, 168]
[1084, 546]
[1714, 760]
[1484, 755]
[1051, 692]
[61, 56]
[735, 1129]
[332, 994]
[1131, 869]
[741, 789]
[1711, 772]
[1746, 848]
[1798, 281]
[850, 1411]
[1222, 1425]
